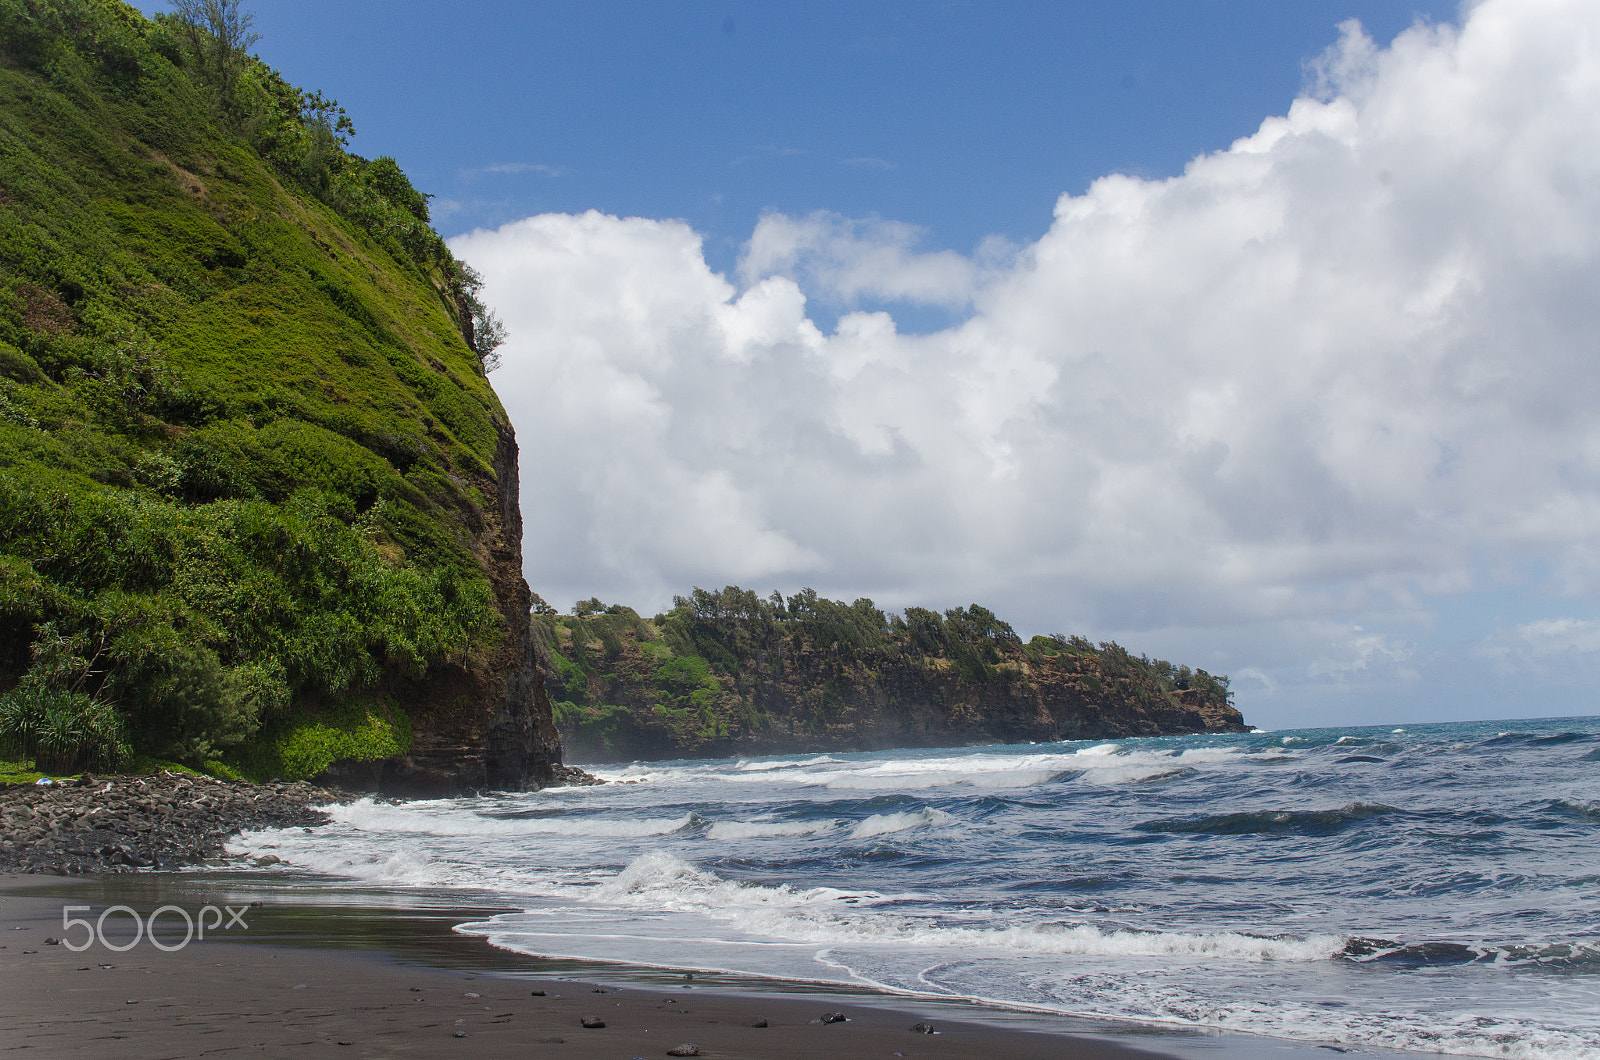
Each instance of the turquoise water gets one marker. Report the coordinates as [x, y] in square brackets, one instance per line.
[1431, 887]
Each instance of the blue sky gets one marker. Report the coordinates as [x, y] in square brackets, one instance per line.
[1249, 335]
[966, 119]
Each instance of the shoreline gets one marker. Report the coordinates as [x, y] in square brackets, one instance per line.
[396, 980]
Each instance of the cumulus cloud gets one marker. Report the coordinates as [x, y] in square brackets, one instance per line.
[1344, 367]
[1361, 651]
[1532, 645]
[844, 260]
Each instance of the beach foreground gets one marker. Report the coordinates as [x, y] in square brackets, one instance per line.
[221, 997]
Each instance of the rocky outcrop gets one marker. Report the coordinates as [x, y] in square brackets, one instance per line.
[521, 747]
[486, 726]
[119, 824]
[782, 693]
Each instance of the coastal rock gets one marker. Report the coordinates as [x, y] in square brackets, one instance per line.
[487, 725]
[119, 824]
[782, 692]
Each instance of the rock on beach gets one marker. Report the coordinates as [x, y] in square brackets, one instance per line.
[123, 823]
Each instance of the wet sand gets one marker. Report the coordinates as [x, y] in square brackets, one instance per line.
[369, 980]
[220, 997]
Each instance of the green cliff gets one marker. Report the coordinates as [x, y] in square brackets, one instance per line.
[258, 502]
[729, 672]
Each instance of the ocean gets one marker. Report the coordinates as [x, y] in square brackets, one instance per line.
[1431, 888]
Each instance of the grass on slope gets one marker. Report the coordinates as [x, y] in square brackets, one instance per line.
[240, 430]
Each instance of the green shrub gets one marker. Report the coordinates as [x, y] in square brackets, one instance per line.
[61, 730]
[187, 706]
[304, 745]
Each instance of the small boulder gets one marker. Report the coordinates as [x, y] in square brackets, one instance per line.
[593, 1022]
[686, 1049]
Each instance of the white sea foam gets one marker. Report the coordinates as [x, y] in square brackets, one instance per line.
[1251, 1004]
[890, 823]
[828, 916]
[986, 776]
[975, 769]
[1045, 892]
[661, 881]
[747, 766]
[405, 864]
[411, 818]
[767, 829]
[1131, 774]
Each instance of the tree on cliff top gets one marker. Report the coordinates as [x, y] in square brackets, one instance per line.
[217, 35]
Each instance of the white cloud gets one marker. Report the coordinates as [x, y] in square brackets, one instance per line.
[1531, 645]
[1340, 369]
[843, 260]
[1360, 651]
[505, 169]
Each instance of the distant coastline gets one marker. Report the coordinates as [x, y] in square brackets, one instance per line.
[729, 672]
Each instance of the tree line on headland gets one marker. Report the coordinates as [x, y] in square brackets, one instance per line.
[732, 672]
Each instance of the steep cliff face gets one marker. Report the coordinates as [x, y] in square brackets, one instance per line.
[488, 725]
[258, 502]
[521, 746]
[727, 673]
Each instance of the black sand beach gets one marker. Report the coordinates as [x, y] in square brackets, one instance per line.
[226, 997]
[397, 981]
[289, 963]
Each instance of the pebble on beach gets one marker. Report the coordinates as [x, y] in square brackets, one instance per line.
[124, 823]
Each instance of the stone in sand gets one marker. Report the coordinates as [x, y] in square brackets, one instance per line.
[593, 1022]
[686, 1049]
[835, 1017]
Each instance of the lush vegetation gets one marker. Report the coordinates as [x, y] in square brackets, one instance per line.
[730, 670]
[243, 407]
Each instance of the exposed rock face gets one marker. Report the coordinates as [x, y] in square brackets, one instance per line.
[809, 700]
[487, 726]
[521, 747]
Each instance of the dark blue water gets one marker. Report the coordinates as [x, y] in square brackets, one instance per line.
[1434, 888]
